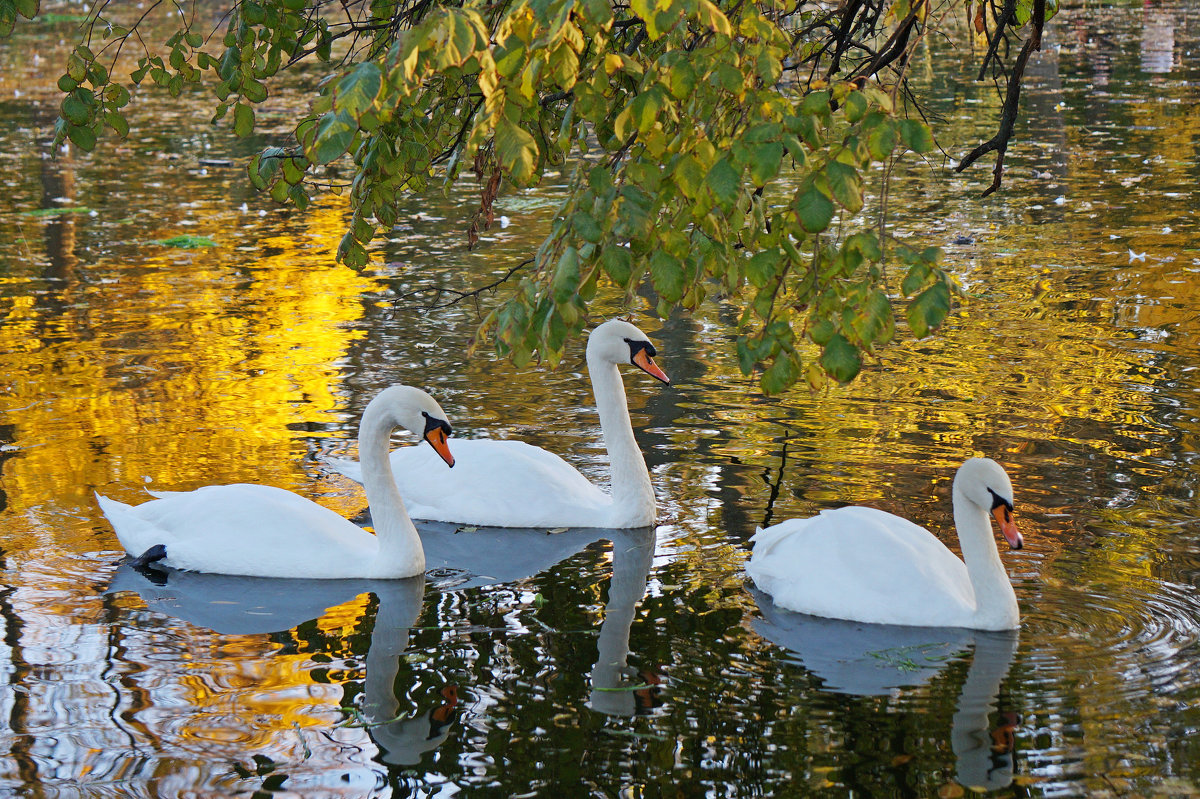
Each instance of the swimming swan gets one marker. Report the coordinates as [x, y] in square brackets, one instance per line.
[867, 565]
[500, 483]
[264, 531]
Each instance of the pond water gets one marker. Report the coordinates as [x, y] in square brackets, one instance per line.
[632, 663]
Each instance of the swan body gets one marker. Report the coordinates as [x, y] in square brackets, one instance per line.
[867, 565]
[263, 531]
[514, 484]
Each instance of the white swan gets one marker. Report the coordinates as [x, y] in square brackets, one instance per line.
[514, 484]
[867, 565]
[269, 532]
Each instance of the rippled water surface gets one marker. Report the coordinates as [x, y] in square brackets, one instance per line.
[634, 663]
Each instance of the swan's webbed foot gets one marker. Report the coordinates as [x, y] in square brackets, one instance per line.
[152, 555]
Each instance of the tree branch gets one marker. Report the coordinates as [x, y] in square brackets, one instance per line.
[1008, 114]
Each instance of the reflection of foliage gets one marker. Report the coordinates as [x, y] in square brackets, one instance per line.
[264, 767]
[903, 658]
[729, 144]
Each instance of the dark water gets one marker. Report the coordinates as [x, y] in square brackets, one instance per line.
[634, 663]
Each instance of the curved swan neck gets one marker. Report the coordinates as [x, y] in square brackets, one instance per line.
[400, 550]
[995, 600]
[627, 468]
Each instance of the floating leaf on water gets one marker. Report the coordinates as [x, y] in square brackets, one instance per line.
[74, 209]
[557, 530]
[950, 791]
[187, 242]
[466, 528]
[638, 687]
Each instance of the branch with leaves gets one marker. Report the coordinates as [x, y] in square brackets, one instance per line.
[717, 148]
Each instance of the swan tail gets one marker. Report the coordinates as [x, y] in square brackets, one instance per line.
[347, 467]
[135, 534]
[765, 540]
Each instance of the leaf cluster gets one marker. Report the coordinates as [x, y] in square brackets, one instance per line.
[721, 150]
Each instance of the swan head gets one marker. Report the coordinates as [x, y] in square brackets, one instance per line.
[618, 341]
[984, 482]
[419, 414]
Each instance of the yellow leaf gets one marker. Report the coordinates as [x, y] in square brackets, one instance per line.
[714, 18]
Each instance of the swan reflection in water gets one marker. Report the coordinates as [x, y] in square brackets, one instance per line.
[467, 558]
[632, 557]
[880, 659]
[234, 605]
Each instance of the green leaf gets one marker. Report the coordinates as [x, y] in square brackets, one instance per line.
[618, 263]
[929, 309]
[243, 120]
[118, 123]
[816, 104]
[782, 374]
[356, 91]
[254, 91]
[915, 135]
[75, 110]
[855, 106]
[845, 184]
[644, 110]
[813, 209]
[765, 159]
[881, 136]
[713, 18]
[918, 275]
[874, 321]
[725, 182]
[27, 8]
[841, 360]
[331, 137]
[84, 138]
[688, 176]
[587, 227]
[667, 272]
[460, 40]
[566, 276]
[517, 150]
[866, 244]
[822, 331]
[764, 266]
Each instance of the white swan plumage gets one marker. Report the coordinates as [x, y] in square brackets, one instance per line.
[263, 531]
[867, 565]
[503, 483]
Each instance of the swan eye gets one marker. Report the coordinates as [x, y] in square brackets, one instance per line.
[432, 424]
[998, 501]
[637, 346]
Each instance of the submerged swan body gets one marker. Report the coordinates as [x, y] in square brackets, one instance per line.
[514, 484]
[871, 566]
[269, 532]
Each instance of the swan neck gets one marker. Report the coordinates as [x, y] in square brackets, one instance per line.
[630, 480]
[995, 600]
[400, 551]
[632, 558]
[970, 732]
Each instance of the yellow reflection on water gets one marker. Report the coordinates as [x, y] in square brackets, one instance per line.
[186, 367]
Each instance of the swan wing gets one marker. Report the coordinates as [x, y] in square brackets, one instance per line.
[865, 565]
[494, 484]
[244, 529]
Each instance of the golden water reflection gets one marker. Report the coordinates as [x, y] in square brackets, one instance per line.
[1071, 360]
